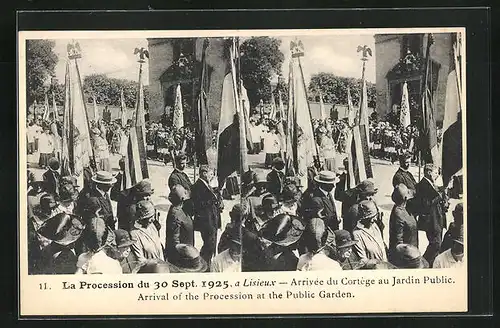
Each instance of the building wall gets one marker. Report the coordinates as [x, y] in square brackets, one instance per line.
[388, 53]
[161, 57]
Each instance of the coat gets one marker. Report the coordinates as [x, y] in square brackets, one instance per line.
[51, 182]
[429, 205]
[347, 196]
[317, 199]
[207, 207]
[181, 178]
[402, 228]
[179, 229]
[147, 243]
[404, 177]
[275, 182]
[370, 245]
[93, 197]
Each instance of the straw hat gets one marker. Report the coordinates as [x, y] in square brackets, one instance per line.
[104, 177]
[327, 177]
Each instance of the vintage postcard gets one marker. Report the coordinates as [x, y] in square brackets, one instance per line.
[242, 172]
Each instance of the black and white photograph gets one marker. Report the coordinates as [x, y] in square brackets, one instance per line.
[243, 153]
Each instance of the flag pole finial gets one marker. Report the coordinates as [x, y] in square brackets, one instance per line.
[365, 52]
[297, 48]
[74, 50]
[142, 53]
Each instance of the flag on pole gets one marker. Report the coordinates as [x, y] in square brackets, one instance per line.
[54, 108]
[452, 123]
[96, 110]
[322, 108]
[178, 119]
[351, 111]
[245, 107]
[204, 128]
[228, 134]
[404, 114]
[136, 168]
[123, 108]
[77, 152]
[46, 112]
[428, 140]
[302, 150]
[272, 115]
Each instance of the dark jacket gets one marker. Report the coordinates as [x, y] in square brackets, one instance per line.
[347, 196]
[51, 182]
[402, 228]
[406, 178]
[180, 178]
[448, 237]
[179, 229]
[225, 238]
[430, 207]
[275, 182]
[207, 207]
[317, 199]
[125, 208]
[93, 197]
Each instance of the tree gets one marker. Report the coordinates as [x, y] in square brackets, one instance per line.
[260, 58]
[334, 89]
[41, 61]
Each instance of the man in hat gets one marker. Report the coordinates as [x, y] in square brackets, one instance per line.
[207, 207]
[276, 178]
[179, 226]
[35, 194]
[321, 197]
[403, 176]
[453, 257]
[269, 208]
[254, 198]
[187, 259]
[98, 195]
[51, 177]
[402, 224]
[122, 252]
[233, 227]
[431, 207]
[178, 176]
[458, 221]
[247, 183]
[344, 254]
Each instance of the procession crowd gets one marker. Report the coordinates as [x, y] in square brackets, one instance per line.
[279, 225]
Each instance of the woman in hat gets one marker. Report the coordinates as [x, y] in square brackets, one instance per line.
[318, 257]
[101, 151]
[453, 257]
[98, 237]
[254, 198]
[152, 266]
[179, 224]
[121, 251]
[233, 227]
[270, 208]
[67, 199]
[290, 199]
[45, 147]
[402, 224]
[344, 254]
[187, 259]
[59, 257]
[35, 193]
[147, 239]
[363, 191]
[370, 248]
[127, 202]
[408, 257]
[229, 260]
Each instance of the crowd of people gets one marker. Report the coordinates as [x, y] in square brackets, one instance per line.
[284, 229]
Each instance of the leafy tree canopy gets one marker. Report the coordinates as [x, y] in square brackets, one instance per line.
[41, 61]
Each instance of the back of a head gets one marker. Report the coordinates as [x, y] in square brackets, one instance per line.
[400, 194]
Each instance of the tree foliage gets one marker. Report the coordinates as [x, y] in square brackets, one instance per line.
[334, 89]
[41, 61]
[260, 58]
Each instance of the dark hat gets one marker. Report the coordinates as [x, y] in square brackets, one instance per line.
[343, 239]
[400, 193]
[62, 228]
[123, 238]
[143, 188]
[144, 210]
[283, 230]
[68, 179]
[104, 177]
[457, 235]
[152, 266]
[290, 193]
[269, 202]
[47, 202]
[67, 193]
[187, 259]
[327, 177]
[366, 187]
[259, 178]
[98, 235]
[247, 178]
[180, 157]
[177, 194]
[237, 211]
[367, 209]
[54, 163]
[409, 257]
[278, 163]
[204, 168]
[404, 156]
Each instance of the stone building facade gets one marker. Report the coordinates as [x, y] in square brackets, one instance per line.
[176, 61]
[400, 59]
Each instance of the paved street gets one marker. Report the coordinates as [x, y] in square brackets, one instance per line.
[159, 173]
